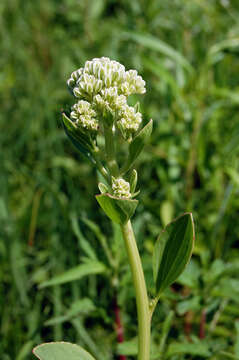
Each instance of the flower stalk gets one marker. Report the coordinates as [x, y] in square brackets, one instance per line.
[140, 292]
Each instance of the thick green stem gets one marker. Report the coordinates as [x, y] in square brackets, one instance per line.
[140, 292]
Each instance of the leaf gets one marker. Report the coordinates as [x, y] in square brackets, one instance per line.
[172, 251]
[190, 276]
[76, 273]
[231, 45]
[160, 46]
[137, 145]
[81, 141]
[198, 349]
[236, 344]
[128, 348]
[79, 307]
[189, 304]
[163, 74]
[117, 209]
[228, 355]
[61, 351]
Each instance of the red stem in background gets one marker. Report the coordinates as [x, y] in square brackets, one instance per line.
[188, 324]
[202, 325]
[118, 326]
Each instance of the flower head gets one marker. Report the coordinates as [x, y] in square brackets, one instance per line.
[84, 116]
[129, 119]
[121, 188]
[105, 85]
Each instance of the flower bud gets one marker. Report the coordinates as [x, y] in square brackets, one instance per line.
[121, 188]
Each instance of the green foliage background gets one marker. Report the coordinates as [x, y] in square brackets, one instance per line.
[187, 51]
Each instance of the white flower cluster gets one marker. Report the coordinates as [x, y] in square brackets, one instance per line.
[105, 84]
[129, 119]
[84, 116]
[121, 188]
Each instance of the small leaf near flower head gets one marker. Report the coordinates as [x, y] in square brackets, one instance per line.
[80, 140]
[103, 188]
[133, 181]
[119, 210]
[137, 145]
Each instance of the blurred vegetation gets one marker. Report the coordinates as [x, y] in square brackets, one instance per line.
[188, 52]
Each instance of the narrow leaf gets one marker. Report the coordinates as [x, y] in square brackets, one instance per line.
[76, 273]
[117, 209]
[154, 43]
[172, 251]
[61, 351]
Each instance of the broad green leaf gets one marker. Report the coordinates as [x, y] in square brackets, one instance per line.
[76, 273]
[137, 145]
[172, 251]
[61, 351]
[197, 349]
[118, 210]
[81, 141]
[154, 43]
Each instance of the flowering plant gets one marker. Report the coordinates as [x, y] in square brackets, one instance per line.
[99, 123]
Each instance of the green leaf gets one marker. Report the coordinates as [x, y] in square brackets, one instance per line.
[128, 348]
[189, 304]
[172, 251]
[160, 46]
[61, 351]
[198, 349]
[80, 140]
[117, 209]
[137, 145]
[76, 273]
[79, 307]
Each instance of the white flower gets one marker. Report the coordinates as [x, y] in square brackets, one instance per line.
[84, 116]
[129, 119]
[121, 188]
[74, 77]
[133, 84]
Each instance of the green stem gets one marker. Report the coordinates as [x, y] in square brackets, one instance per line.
[99, 165]
[110, 150]
[140, 291]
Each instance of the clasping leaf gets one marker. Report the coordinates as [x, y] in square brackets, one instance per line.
[119, 210]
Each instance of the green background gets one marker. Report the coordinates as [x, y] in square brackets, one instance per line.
[187, 51]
